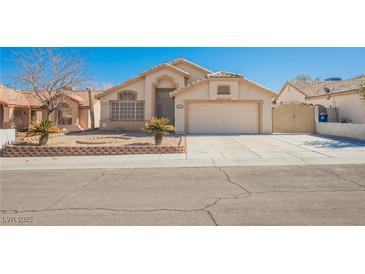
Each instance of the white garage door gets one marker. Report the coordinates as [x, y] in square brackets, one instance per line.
[223, 117]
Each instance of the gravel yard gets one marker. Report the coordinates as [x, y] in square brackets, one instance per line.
[102, 138]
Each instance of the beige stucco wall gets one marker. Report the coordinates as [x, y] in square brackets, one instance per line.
[145, 87]
[239, 91]
[96, 114]
[289, 95]
[84, 118]
[200, 91]
[248, 91]
[348, 130]
[349, 106]
[137, 87]
[74, 106]
[194, 74]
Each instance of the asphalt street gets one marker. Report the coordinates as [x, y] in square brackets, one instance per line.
[240, 195]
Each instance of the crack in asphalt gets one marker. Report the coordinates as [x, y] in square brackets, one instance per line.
[346, 179]
[334, 173]
[218, 199]
[244, 193]
[78, 189]
[203, 209]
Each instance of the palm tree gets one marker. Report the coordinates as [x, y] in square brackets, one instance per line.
[159, 127]
[43, 129]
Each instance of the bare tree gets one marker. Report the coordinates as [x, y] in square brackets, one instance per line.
[305, 77]
[50, 73]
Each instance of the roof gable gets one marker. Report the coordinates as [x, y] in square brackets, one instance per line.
[143, 74]
[236, 77]
[190, 64]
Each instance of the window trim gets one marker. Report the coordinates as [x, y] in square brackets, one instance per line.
[135, 110]
[220, 93]
[119, 101]
[127, 91]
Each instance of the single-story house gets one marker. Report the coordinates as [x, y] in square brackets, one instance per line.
[195, 99]
[20, 108]
[331, 93]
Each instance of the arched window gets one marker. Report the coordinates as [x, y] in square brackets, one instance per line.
[127, 107]
[127, 96]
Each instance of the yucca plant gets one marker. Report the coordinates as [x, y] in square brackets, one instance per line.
[159, 127]
[43, 129]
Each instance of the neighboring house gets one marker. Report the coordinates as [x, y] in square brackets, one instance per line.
[344, 95]
[19, 108]
[195, 99]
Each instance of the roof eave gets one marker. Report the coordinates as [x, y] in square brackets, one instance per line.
[141, 76]
[191, 64]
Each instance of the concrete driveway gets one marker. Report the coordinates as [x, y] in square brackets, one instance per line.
[272, 147]
[216, 150]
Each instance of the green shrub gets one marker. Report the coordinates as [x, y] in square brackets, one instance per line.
[159, 127]
[43, 129]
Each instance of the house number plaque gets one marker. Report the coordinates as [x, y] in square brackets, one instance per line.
[179, 106]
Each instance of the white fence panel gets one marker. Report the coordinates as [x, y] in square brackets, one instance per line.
[7, 136]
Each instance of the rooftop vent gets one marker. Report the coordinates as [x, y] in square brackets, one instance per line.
[333, 79]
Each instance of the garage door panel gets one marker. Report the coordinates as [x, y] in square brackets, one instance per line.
[223, 118]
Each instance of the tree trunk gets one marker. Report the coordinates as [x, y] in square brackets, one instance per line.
[48, 112]
[43, 139]
[158, 139]
[91, 107]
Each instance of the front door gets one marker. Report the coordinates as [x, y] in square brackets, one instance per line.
[165, 105]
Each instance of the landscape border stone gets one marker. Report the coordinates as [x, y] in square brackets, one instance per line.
[52, 151]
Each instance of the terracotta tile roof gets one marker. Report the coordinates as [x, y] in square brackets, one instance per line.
[26, 98]
[11, 96]
[313, 88]
[224, 74]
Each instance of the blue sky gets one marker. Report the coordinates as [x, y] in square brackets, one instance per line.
[270, 67]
